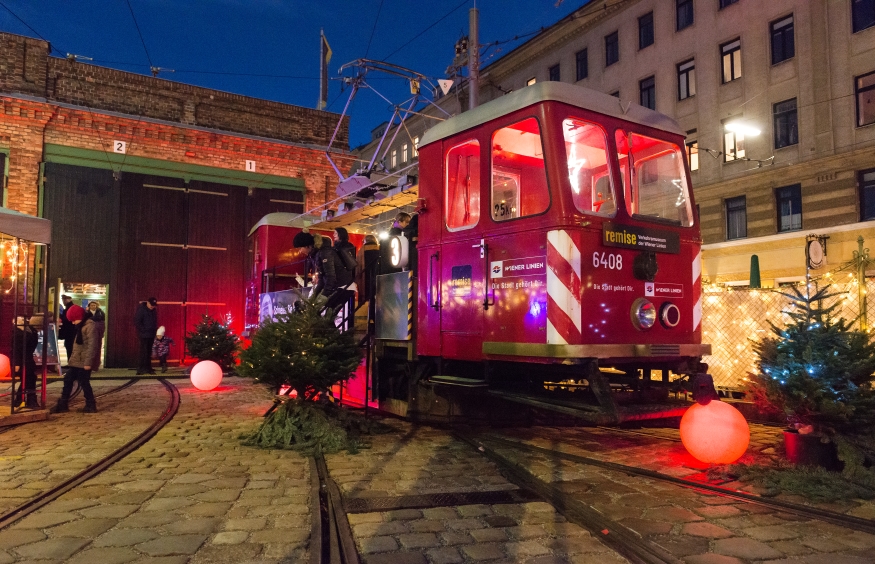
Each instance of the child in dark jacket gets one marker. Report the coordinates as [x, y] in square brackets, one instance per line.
[161, 347]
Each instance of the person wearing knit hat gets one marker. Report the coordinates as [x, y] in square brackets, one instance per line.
[80, 362]
[161, 348]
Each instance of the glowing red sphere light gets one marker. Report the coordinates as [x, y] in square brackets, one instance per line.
[206, 375]
[715, 433]
[4, 366]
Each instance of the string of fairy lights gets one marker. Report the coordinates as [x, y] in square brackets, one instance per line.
[13, 259]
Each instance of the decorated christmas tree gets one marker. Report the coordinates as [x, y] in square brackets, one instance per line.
[817, 369]
[214, 340]
[303, 354]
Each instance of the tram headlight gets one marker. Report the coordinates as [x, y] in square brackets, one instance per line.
[643, 314]
[669, 315]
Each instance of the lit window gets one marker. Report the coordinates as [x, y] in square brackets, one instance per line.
[645, 30]
[656, 186]
[612, 49]
[864, 87]
[404, 153]
[786, 128]
[519, 179]
[588, 170]
[789, 204]
[531, 81]
[736, 218]
[582, 64]
[684, 14]
[693, 155]
[415, 147]
[863, 14]
[686, 79]
[731, 53]
[462, 195]
[783, 46]
[733, 146]
[394, 158]
[648, 92]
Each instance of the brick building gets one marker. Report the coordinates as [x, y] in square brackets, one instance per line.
[152, 185]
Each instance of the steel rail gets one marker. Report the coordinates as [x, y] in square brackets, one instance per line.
[336, 540]
[117, 389]
[50, 495]
[847, 521]
[615, 536]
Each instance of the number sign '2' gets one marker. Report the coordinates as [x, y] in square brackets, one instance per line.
[119, 147]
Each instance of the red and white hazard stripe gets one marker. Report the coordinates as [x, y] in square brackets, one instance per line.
[697, 291]
[564, 315]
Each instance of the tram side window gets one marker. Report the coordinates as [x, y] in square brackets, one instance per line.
[586, 151]
[463, 186]
[519, 179]
[657, 186]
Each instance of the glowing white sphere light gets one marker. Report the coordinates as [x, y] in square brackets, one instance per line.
[206, 375]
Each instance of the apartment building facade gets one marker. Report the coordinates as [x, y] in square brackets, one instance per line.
[802, 73]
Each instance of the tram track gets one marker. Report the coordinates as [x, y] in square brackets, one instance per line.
[336, 541]
[825, 515]
[75, 400]
[98, 467]
[615, 536]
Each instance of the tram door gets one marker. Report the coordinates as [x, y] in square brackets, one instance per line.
[463, 259]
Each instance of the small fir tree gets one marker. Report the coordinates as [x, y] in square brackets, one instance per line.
[305, 351]
[213, 340]
[817, 369]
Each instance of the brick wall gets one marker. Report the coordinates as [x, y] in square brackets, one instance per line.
[27, 125]
[27, 68]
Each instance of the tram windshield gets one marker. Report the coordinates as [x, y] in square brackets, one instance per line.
[586, 152]
[519, 179]
[657, 187]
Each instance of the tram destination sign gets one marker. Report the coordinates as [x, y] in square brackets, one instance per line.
[640, 238]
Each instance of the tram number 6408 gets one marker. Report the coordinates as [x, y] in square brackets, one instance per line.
[607, 260]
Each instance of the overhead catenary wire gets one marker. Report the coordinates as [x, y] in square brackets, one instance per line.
[143, 41]
[374, 29]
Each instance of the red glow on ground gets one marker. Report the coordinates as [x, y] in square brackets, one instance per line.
[715, 433]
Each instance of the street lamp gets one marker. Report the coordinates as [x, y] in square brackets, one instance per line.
[743, 128]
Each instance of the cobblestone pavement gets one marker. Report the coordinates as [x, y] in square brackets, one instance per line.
[194, 494]
[191, 494]
[421, 460]
[695, 526]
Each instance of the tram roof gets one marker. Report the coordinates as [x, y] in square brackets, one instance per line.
[552, 91]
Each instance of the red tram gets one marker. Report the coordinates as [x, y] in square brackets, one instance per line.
[557, 237]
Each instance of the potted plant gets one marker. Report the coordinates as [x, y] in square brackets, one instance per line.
[816, 370]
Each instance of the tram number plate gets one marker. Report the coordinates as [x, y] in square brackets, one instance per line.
[607, 260]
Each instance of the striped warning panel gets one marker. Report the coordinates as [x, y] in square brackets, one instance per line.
[410, 304]
[563, 289]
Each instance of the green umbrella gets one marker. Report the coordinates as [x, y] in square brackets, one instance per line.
[755, 272]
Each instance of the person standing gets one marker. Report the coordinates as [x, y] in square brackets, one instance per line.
[24, 343]
[84, 345]
[67, 331]
[99, 318]
[161, 348]
[146, 323]
[366, 274]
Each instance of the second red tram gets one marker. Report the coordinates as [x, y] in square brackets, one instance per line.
[557, 233]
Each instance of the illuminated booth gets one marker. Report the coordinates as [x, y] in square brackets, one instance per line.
[24, 258]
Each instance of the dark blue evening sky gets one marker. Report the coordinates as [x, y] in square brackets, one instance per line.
[279, 38]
